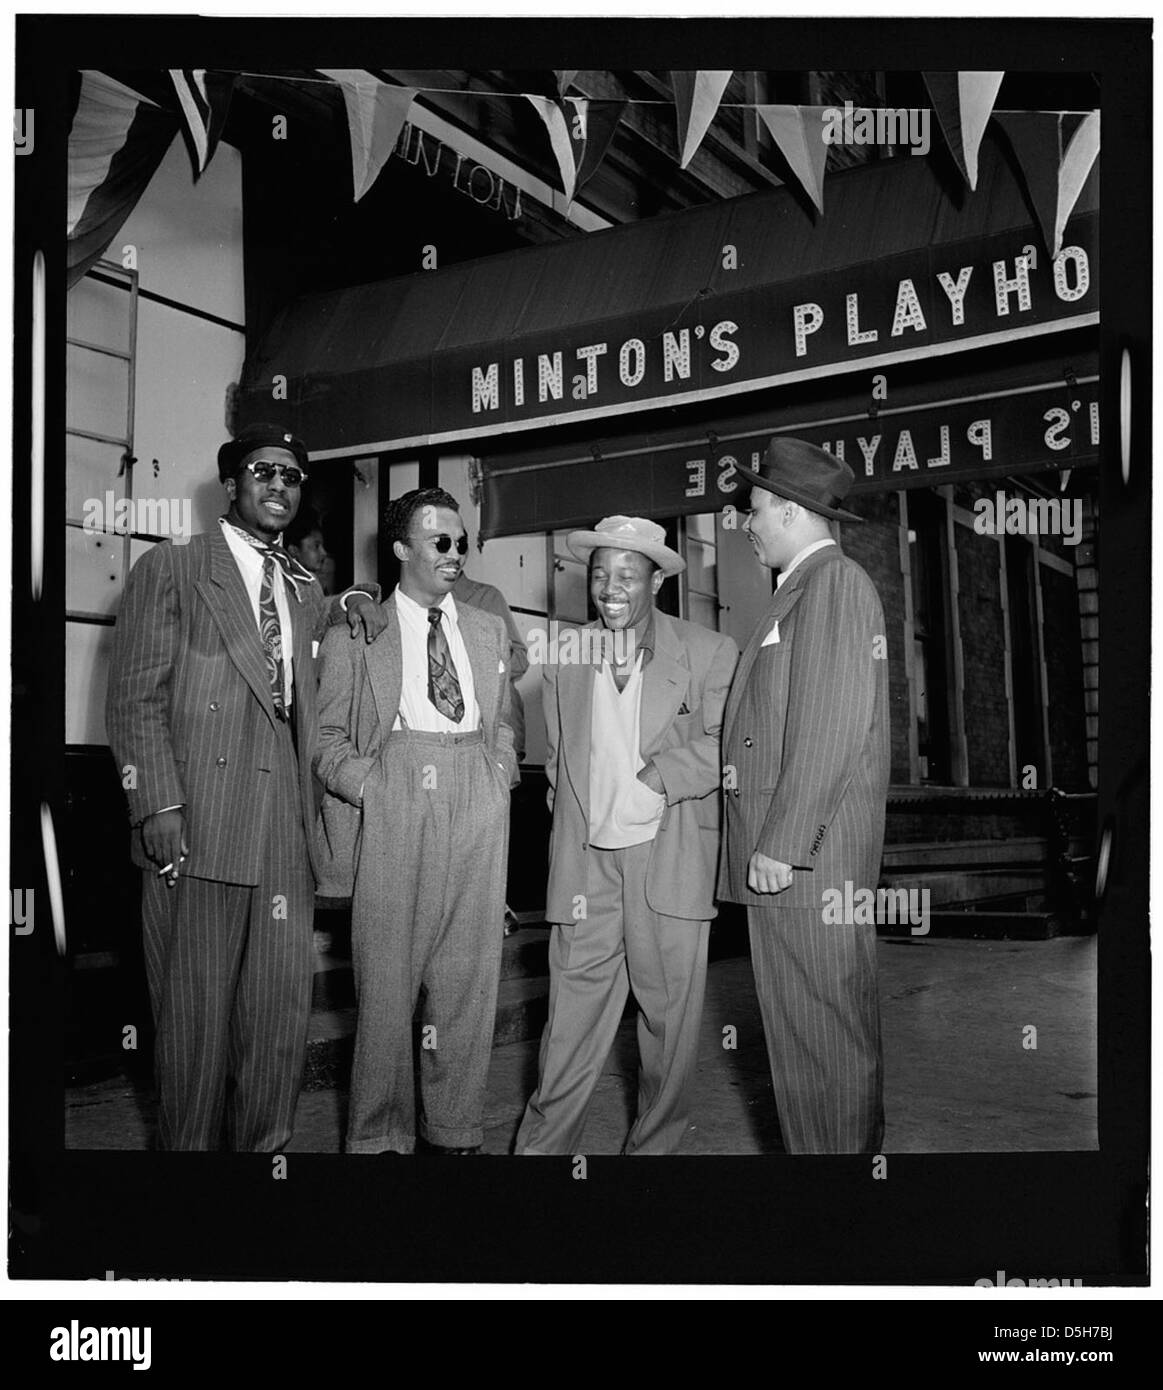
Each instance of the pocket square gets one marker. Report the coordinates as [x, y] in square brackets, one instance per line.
[773, 636]
[500, 668]
[314, 649]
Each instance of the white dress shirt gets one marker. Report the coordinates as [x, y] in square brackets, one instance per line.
[250, 565]
[800, 557]
[417, 709]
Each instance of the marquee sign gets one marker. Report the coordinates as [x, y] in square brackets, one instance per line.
[1052, 426]
[917, 303]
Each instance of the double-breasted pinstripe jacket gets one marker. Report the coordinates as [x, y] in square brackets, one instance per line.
[189, 712]
[806, 737]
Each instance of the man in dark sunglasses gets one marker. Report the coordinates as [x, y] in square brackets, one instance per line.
[414, 732]
[211, 716]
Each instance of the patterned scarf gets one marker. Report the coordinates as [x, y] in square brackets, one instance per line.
[293, 571]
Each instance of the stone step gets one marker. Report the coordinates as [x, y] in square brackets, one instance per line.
[996, 926]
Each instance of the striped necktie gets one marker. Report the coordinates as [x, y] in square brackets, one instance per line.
[443, 684]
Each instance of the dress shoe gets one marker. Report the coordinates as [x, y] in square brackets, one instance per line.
[439, 1150]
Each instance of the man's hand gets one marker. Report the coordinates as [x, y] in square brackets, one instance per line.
[766, 875]
[365, 615]
[649, 777]
[163, 836]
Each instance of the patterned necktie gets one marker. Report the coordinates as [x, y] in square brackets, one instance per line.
[271, 632]
[443, 684]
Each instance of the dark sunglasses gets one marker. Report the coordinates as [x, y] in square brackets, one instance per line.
[444, 544]
[264, 471]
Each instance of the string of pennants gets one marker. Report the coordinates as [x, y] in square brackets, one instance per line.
[1055, 150]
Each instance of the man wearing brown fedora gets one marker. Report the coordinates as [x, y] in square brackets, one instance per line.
[806, 767]
[633, 769]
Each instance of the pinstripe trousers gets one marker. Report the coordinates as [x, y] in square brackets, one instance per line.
[426, 916]
[230, 969]
[816, 984]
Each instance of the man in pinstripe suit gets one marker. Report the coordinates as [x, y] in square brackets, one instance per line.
[211, 718]
[806, 767]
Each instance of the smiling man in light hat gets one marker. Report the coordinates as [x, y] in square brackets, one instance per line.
[633, 767]
[806, 757]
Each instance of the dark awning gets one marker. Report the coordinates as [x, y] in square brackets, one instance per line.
[695, 306]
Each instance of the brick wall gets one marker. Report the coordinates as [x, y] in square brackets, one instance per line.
[987, 730]
[1064, 680]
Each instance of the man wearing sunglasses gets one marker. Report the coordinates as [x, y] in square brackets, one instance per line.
[211, 716]
[414, 730]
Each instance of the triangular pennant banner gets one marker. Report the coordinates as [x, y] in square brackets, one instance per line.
[376, 112]
[561, 139]
[116, 142]
[963, 102]
[1055, 152]
[564, 80]
[799, 133]
[696, 99]
[204, 98]
[599, 122]
[1077, 161]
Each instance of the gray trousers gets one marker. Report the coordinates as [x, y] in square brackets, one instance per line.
[621, 944]
[816, 984]
[230, 969]
[427, 913]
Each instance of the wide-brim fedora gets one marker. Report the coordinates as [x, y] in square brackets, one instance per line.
[253, 437]
[627, 533]
[804, 473]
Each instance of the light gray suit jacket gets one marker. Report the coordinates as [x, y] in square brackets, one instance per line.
[690, 671]
[806, 737]
[359, 698]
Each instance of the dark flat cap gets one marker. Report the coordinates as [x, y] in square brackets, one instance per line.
[253, 437]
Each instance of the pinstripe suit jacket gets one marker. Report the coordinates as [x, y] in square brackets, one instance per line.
[691, 671]
[806, 737]
[359, 698]
[189, 705]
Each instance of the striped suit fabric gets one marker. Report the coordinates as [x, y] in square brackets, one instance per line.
[191, 722]
[806, 768]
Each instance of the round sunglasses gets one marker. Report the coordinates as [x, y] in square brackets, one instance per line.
[263, 471]
[444, 544]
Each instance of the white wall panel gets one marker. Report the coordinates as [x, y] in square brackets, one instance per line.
[93, 571]
[87, 651]
[184, 366]
[189, 236]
